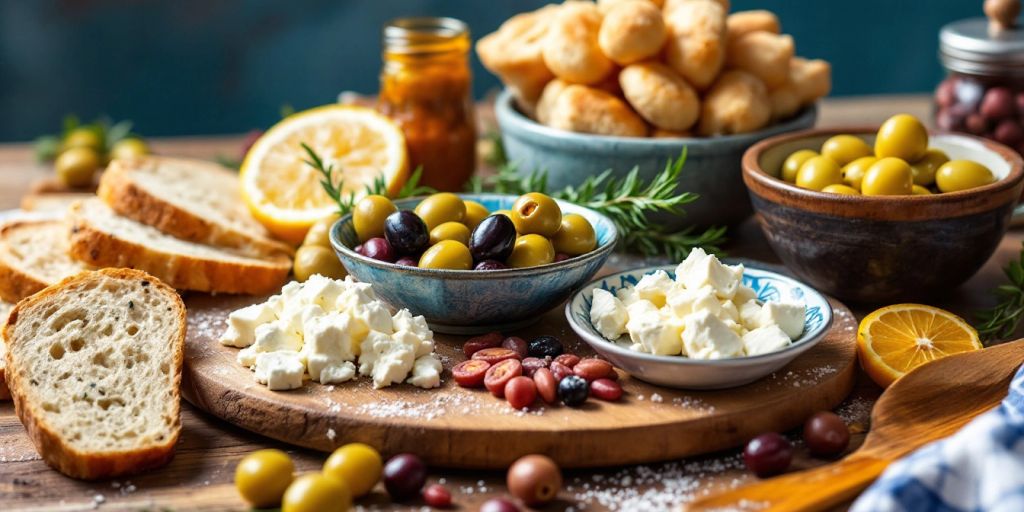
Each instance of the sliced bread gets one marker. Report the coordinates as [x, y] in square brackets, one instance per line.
[56, 202]
[94, 369]
[102, 238]
[5, 308]
[194, 200]
[34, 255]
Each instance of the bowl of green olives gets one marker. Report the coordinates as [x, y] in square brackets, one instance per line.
[875, 215]
[473, 263]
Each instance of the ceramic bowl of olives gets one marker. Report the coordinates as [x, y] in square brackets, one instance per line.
[920, 219]
[473, 263]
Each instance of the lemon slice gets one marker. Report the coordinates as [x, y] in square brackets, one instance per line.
[284, 193]
[896, 339]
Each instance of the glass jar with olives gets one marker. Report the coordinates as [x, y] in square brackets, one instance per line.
[445, 231]
[900, 163]
[983, 93]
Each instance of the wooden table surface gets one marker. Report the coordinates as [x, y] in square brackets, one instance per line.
[200, 476]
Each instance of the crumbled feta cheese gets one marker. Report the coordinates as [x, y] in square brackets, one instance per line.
[385, 359]
[327, 344]
[790, 317]
[272, 337]
[750, 314]
[426, 372]
[608, 314]
[728, 311]
[654, 287]
[764, 340]
[707, 337]
[652, 330]
[242, 324]
[280, 370]
[627, 295]
[744, 293]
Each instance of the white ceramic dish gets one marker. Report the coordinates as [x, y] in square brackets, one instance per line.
[686, 373]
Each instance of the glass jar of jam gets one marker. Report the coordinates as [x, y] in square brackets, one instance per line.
[426, 87]
[983, 93]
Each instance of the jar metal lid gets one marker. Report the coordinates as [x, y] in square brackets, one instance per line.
[966, 46]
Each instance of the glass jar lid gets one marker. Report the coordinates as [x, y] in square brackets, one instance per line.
[967, 46]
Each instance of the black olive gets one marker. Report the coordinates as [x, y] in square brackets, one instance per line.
[493, 239]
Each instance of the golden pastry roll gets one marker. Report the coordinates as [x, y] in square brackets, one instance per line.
[764, 55]
[696, 41]
[739, 24]
[514, 52]
[570, 48]
[547, 100]
[736, 103]
[584, 109]
[812, 78]
[660, 95]
[632, 31]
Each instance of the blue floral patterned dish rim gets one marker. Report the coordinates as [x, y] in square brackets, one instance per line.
[343, 239]
[767, 286]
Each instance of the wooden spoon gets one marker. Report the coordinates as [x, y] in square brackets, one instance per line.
[929, 403]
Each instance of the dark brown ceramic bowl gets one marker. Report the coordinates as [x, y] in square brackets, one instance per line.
[873, 249]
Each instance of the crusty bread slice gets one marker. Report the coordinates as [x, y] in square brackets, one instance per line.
[194, 200]
[34, 255]
[94, 368]
[5, 308]
[101, 238]
[57, 202]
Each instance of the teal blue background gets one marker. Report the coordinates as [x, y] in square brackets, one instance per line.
[226, 66]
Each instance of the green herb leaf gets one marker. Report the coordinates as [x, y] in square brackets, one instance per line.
[1002, 320]
[46, 148]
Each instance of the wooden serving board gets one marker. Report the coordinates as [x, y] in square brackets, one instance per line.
[463, 428]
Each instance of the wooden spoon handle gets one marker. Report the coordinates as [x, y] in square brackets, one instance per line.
[810, 490]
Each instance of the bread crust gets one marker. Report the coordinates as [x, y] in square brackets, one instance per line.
[101, 249]
[48, 442]
[121, 192]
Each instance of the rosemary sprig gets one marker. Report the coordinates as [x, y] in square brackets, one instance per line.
[627, 201]
[346, 202]
[1002, 320]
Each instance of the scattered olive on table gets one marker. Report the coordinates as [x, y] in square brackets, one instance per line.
[534, 479]
[77, 165]
[315, 259]
[83, 151]
[263, 476]
[768, 454]
[545, 346]
[358, 465]
[404, 476]
[437, 496]
[315, 492]
[499, 505]
[573, 391]
[826, 434]
[128, 148]
[901, 164]
[83, 137]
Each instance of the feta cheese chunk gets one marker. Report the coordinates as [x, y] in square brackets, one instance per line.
[327, 344]
[728, 311]
[744, 294]
[273, 337]
[654, 287]
[685, 301]
[627, 295]
[404, 321]
[338, 373]
[707, 337]
[764, 340]
[656, 333]
[426, 372]
[608, 314]
[750, 314]
[321, 291]
[280, 370]
[708, 271]
[385, 359]
[242, 324]
[788, 316]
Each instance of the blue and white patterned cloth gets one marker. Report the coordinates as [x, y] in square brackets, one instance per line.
[980, 468]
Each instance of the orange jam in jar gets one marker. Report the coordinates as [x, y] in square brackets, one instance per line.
[426, 87]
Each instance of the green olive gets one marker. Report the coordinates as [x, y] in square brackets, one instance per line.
[575, 236]
[76, 166]
[902, 136]
[129, 148]
[450, 231]
[536, 214]
[447, 254]
[888, 177]
[924, 168]
[845, 190]
[793, 162]
[475, 214]
[369, 214]
[315, 259]
[530, 251]
[83, 138]
[844, 149]
[319, 233]
[956, 175]
[918, 190]
[819, 172]
[440, 208]
[853, 172]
